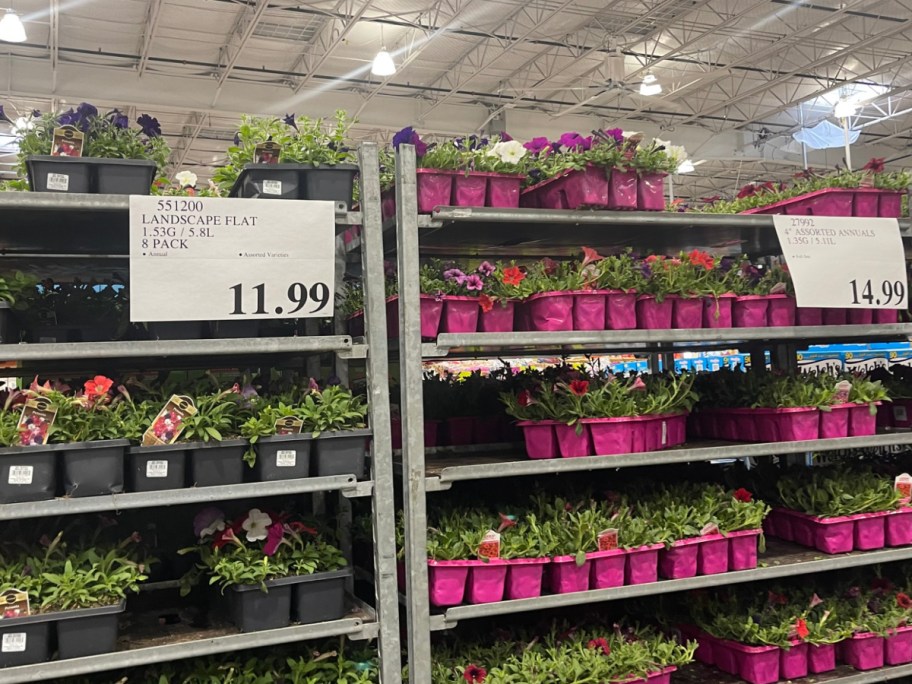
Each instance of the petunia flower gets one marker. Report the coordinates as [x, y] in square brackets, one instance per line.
[524, 398]
[509, 152]
[550, 265]
[474, 282]
[186, 179]
[537, 145]
[474, 674]
[698, 258]
[150, 126]
[290, 120]
[454, 275]
[98, 386]
[486, 268]
[3, 116]
[485, 302]
[599, 644]
[274, 535]
[801, 628]
[86, 111]
[876, 165]
[513, 275]
[903, 601]
[119, 119]
[208, 521]
[225, 537]
[68, 118]
[590, 256]
[615, 134]
[741, 494]
[579, 387]
[256, 525]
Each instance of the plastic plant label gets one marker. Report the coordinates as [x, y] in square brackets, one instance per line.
[286, 458]
[900, 414]
[272, 187]
[608, 540]
[21, 475]
[664, 433]
[267, 153]
[709, 528]
[169, 423]
[14, 603]
[903, 485]
[289, 425]
[156, 469]
[14, 642]
[490, 545]
[58, 181]
[67, 142]
[36, 420]
[843, 387]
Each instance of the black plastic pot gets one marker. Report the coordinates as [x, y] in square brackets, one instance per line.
[283, 457]
[124, 176]
[252, 609]
[59, 174]
[234, 329]
[218, 463]
[9, 327]
[270, 181]
[90, 175]
[341, 453]
[94, 468]
[153, 468]
[25, 640]
[28, 473]
[177, 330]
[319, 597]
[332, 183]
[87, 631]
[53, 333]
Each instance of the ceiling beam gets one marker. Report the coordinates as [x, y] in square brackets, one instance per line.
[151, 26]
[256, 14]
[193, 128]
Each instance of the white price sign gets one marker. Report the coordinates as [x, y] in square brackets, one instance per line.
[211, 258]
[838, 262]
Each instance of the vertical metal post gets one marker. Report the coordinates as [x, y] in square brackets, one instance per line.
[412, 409]
[384, 518]
[848, 147]
[344, 521]
[804, 149]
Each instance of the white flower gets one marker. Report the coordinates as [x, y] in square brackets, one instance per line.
[511, 151]
[186, 179]
[256, 524]
[676, 152]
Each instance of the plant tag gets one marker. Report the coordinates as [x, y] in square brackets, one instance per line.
[14, 603]
[843, 387]
[21, 474]
[267, 153]
[903, 485]
[490, 545]
[608, 540]
[37, 418]
[14, 642]
[58, 181]
[289, 425]
[156, 469]
[664, 433]
[900, 414]
[286, 458]
[67, 142]
[709, 528]
[272, 187]
[169, 422]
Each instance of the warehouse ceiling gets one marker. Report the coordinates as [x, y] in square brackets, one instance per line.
[738, 77]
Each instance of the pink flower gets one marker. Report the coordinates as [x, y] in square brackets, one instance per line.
[274, 535]
[474, 282]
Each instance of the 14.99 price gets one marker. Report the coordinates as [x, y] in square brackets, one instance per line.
[295, 298]
[863, 292]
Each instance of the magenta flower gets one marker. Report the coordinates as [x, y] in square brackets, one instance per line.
[574, 141]
[454, 274]
[474, 282]
[536, 145]
[617, 134]
[486, 268]
[274, 535]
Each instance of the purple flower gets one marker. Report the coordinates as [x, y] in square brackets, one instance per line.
[150, 126]
[290, 121]
[454, 274]
[536, 145]
[486, 268]
[3, 116]
[35, 113]
[505, 137]
[119, 120]
[205, 518]
[646, 269]
[725, 264]
[575, 141]
[68, 118]
[333, 381]
[474, 282]
[615, 133]
[237, 139]
[87, 111]
[404, 137]
[750, 273]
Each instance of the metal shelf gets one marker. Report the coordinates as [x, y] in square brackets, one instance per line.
[441, 472]
[781, 560]
[346, 484]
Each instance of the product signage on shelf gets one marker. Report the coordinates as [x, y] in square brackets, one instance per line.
[844, 262]
[209, 258]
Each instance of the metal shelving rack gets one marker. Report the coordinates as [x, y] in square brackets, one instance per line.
[488, 232]
[84, 231]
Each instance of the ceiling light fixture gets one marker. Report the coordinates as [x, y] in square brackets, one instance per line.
[383, 64]
[11, 28]
[845, 109]
[650, 85]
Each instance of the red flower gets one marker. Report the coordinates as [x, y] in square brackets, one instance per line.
[98, 386]
[225, 536]
[299, 527]
[801, 629]
[600, 643]
[274, 535]
[512, 275]
[579, 387]
[881, 584]
[747, 191]
[743, 495]
[473, 674]
[876, 165]
[903, 601]
[525, 398]
[590, 256]
[506, 522]
[485, 302]
[653, 258]
[698, 258]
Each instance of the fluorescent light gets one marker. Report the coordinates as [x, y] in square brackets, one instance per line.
[686, 166]
[11, 28]
[650, 85]
[845, 109]
[383, 64]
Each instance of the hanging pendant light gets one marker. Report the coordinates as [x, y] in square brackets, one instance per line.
[11, 28]
[383, 64]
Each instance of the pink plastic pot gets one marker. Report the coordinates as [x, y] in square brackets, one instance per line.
[835, 422]
[447, 581]
[677, 428]
[898, 646]
[680, 559]
[388, 203]
[886, 316]
[622, 189]
[551, 311]
[864, 651]
[607, 568]
[891, 204]
[862, 423]
[821, 658]
[782, 311]
[588, 310]
[869, 531]
[524, 578]
[431, 313]
[503, 190]
[460, 430]
[866, 202]
[831, 535]
[745, 428]
[793, 662]
[655, 429]
[567, 577]
[704, 652]
[757, 664]
[687, 313]
[611, 436]
[573, 441]
[487, 429]
[540, 438]
[859, 316]
[717, 311]
[651, 192]
[583, 188]
[898, 528]
[742, 549]
[712, 558]
[652, 314]
[834, 316]
[749, 311]
[724, 656]
[469, 190]
[809, 315]
[642, 564]
[661, 677]
[639, 427]
[486, 581]
[435, 189]
[620, 310]
[834, 203]
[798, 424]
[498, 319]
[460, 314]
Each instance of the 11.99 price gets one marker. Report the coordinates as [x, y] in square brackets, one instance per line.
[294, 299]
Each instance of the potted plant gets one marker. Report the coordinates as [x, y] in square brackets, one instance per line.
[337, 419]
[211, 439]
[115, 158]
[621, 278]
[278, 449]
